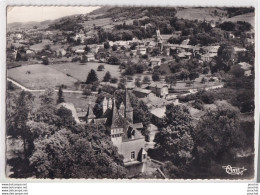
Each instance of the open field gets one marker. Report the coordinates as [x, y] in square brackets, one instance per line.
[80, 72]
[40, 46]
[249, 17]
[200, 14]
[40, 77]
[98, 22]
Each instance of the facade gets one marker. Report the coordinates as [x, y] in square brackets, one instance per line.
[123, 133]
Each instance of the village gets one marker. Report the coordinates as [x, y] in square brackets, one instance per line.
[90, 68]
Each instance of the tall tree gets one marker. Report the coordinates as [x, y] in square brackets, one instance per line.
[60, 96]
[174, 141]
[92, 77]
[107, 77]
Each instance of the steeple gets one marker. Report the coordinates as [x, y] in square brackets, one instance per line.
[128, 107]
[115, 116]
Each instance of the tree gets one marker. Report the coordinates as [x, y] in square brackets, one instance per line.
[92, 77]
[113, 60]
[106, 45]
[156, 76]
[107, 77]
[174, 141]
[84, 153]
[45, 60]
[146, 80]
[216, 136]
[84, 59]
[171, 79]
[17, 124]
[138, 82]
[114, 47]
[87, 49]
[100, 67]
[60, 96]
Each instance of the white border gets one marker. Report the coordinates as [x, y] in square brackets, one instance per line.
[204, 3]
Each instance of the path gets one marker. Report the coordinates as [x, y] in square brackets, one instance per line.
[40, 90]
[192, 91]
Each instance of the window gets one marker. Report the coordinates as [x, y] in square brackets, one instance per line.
[144, 156]
[132, 155]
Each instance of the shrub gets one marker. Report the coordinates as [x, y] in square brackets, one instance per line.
[113, 80]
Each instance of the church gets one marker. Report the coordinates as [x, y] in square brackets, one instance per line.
[124, 134]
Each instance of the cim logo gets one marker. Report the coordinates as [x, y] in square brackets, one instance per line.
[234, 170]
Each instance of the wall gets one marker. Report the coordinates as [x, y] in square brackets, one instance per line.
[127, 147]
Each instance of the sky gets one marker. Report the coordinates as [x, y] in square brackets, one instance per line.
[41, 13]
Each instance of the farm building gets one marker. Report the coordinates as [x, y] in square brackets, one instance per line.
[142, 93]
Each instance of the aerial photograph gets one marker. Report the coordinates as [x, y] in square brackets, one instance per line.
[111, 92]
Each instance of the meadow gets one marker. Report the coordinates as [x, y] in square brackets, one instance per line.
[40, 77]
[80, 71]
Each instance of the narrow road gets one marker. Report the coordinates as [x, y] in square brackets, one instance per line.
[39, 90]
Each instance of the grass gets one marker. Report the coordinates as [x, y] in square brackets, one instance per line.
[199, 14]
[249, 17]
[98, 22]
[40, 46]
[41, 77]
[80, 72]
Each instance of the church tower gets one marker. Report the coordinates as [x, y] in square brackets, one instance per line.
[128, 107]
[116, 130]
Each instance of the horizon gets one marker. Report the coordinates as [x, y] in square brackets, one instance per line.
[23, 14]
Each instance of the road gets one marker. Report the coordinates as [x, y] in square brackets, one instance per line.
[40, 90]
[192, 91]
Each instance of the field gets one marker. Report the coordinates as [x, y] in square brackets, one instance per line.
[80, 72]
[98, 22]
[200, 14]
[40, 77]
[40, 46]
[249, 17]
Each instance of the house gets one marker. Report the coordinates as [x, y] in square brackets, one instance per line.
[91, 57]
[141, 50]
[142, 93]
[124, 134]
[160, 90]
[207, 57]
[61, 52]
[246, 67]
[155, 62]
[80, 51]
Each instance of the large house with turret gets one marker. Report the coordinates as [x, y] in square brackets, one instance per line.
[124, 134]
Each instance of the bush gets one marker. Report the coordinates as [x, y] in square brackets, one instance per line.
[113, 80]
[100, 67]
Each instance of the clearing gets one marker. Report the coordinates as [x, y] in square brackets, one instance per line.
[40, 77]
[80, 72]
